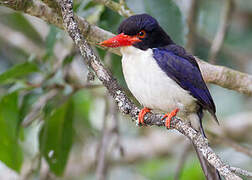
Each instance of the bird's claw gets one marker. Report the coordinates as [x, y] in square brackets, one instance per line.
[142, 114]
[169, 116]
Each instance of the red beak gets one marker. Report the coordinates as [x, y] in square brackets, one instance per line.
[120, 40]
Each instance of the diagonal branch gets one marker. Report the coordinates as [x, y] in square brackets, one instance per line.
[124, 104]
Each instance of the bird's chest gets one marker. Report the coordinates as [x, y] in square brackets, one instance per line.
[150, 85]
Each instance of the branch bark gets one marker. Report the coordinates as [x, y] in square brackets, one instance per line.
[226, 77]
[124, 104]
[241, 172]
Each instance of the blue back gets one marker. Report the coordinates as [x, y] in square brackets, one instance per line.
[183, 69]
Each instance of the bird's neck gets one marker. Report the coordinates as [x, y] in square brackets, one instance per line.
[163, 39]
[131, 50]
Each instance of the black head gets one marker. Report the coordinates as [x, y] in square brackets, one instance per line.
[147, 29]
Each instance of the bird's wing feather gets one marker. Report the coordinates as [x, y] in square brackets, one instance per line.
[183, 68]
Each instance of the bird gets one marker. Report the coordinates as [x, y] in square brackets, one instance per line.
[163, 76]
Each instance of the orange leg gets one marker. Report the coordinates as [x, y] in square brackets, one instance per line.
[142, 114]
[169, 116]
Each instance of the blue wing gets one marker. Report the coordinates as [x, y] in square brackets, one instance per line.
[183, 69]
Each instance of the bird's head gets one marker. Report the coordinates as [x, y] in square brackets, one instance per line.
[141, 31]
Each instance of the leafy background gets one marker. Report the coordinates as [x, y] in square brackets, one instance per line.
[52, 119]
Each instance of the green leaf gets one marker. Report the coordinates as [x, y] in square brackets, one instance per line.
[10, 151]
[50, 42]
[68, 59]
[166, 12]
[18, 71]
[110, 20]
[89, 10]
[56, 137]
[82, 102]
[27, 103]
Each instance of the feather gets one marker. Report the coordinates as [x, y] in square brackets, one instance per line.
[184, 70]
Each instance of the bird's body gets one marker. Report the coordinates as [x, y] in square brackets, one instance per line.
[151, 86]
[163, 76]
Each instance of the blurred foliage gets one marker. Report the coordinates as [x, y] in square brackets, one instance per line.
[56, 137]
[72, 118]
[166, 12]
[18, 22]
[17, 71]
[163, 169]
[10, 152]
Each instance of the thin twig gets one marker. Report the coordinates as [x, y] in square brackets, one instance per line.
[125, 105]
[107, 134]
[102, 147]
[115, 128]
[102, 165]
[38, 106]
[221, 33]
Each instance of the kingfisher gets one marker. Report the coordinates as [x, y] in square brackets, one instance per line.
[163, 76]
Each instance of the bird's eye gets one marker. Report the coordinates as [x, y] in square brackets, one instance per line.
[141, 34]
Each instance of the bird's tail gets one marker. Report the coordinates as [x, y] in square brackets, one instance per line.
[210, 172]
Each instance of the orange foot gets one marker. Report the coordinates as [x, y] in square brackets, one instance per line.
[169, 116]
[142, 114]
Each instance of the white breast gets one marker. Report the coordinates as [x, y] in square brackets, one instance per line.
[150, 85]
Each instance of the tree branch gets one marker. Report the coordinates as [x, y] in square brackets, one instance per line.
[121, 7]
[124, 104]
[221, 33]
[219, 75]
[53, 5]
[191, 23]
[226, 77]
[101, 168]
[241, 172]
